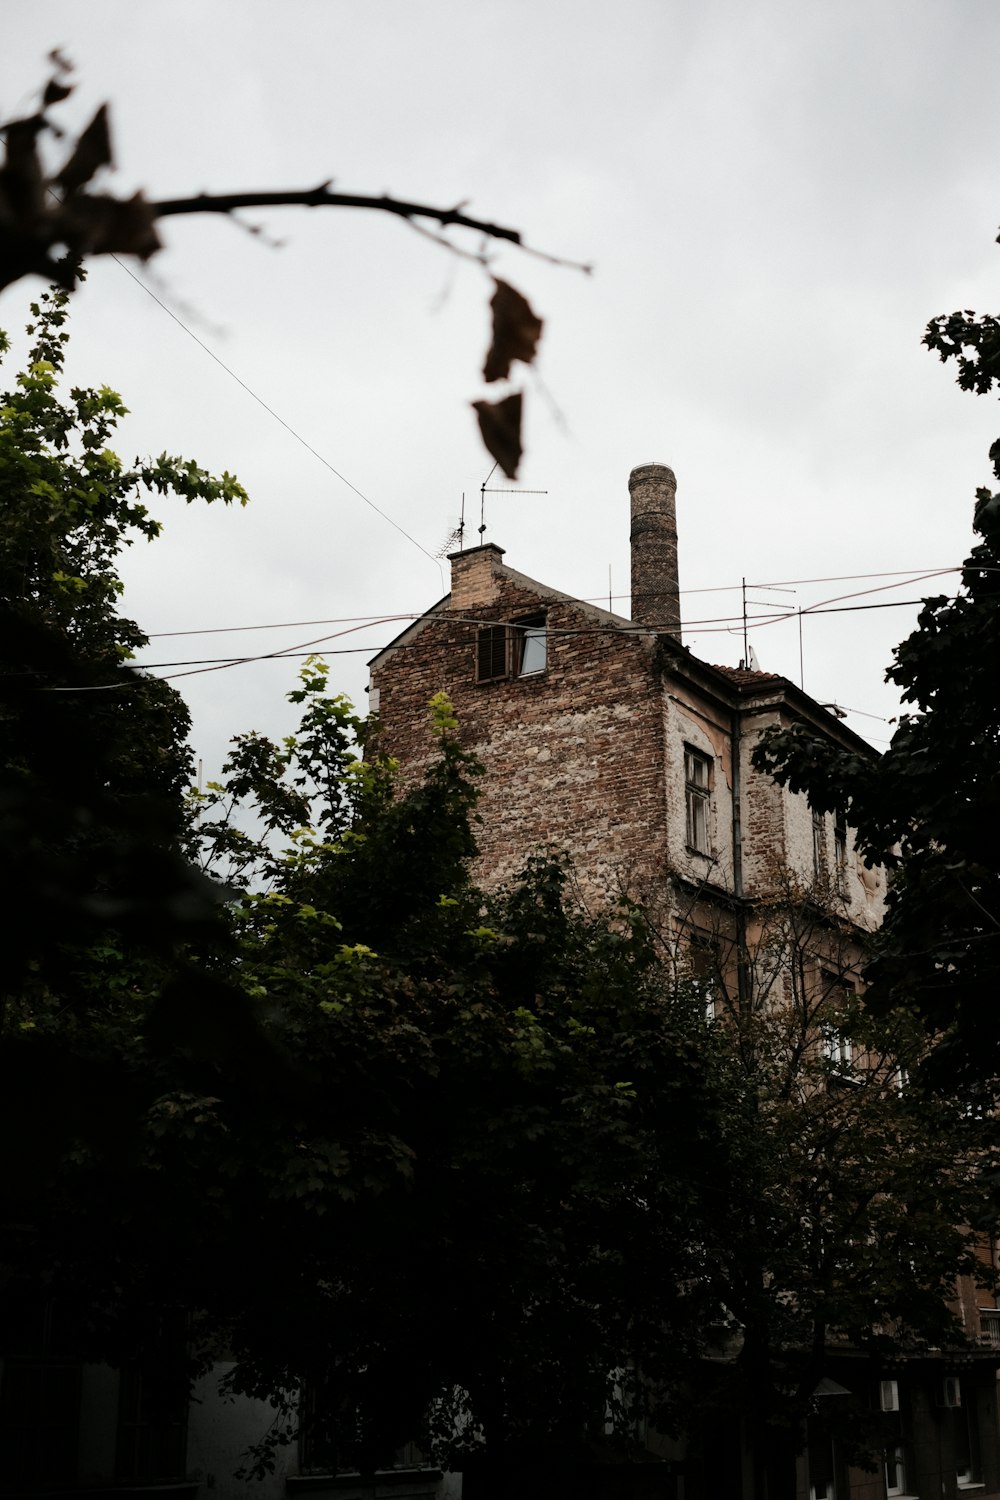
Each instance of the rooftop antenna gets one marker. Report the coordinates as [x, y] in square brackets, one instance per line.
[455, 537]
[484, 490]
[749, 654]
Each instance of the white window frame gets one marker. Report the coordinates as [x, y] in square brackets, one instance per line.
[836, 1046]
[888, 1395]
[894, 1463]
[698, 779]
[518, 648]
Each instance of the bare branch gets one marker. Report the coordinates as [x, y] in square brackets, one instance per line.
[324, 197]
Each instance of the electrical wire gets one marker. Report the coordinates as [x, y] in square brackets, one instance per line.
[291, 653]
[272, 413]
[905, 573]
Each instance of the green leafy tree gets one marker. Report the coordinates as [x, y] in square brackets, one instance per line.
[852, 1198]
[451, 1136]
[94, 760]
[473, 1194]
[928, 809]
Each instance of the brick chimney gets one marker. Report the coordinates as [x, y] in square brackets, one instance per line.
[474, 575]
[655, 588]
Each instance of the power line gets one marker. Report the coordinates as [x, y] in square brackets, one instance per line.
[382, 618]
[220, 663]
[271, 412]
[293, 653]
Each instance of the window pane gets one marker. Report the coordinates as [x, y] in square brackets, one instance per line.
[491, 653]
[533, 650]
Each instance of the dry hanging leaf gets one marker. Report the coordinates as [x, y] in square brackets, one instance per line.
[92, 151]
[516, 331]
[55, 92]
[95, 225]
[500, 425]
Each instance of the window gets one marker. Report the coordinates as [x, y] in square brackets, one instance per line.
[836, 994]
[895, 1470]
[822, 1466]
[330, 1438]
[840, 851]
[491, 653]
[819, 843]
[153, 1397]
[39, 1395]
[703, 965]
[888, 1395]
[892, 1457]
[697, 794]
[531, 638]
[962, 1416]
[516, 650]
[835, 1047]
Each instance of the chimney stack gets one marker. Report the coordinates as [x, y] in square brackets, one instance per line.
[655, 588]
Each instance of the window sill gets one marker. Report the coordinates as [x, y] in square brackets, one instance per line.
[393, 1479]
[121, 1490]
[482, 682]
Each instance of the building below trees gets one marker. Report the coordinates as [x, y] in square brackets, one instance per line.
[479, 1143]
[604, 737]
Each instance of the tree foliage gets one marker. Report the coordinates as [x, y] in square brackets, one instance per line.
[479, 1170]
[469, 1178]
[929, 808]
[94, 759]
[853, 1197]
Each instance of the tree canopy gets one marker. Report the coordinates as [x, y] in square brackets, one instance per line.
[928, 809]
[94, 760]
[505, 1179]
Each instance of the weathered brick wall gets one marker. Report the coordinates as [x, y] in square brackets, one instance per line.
[587, 756]
[692, 718]
[778, 840]
[573, 754]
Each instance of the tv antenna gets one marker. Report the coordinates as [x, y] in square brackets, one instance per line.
[456, 536]
[484, 490]
[749, 658]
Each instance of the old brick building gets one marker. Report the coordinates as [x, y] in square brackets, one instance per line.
[606, 738]
[603, 736]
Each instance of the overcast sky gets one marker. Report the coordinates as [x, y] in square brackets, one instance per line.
[776, 196]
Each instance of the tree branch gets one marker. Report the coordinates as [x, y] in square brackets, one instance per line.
[323, 197]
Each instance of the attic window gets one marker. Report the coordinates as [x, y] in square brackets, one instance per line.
[515, 650]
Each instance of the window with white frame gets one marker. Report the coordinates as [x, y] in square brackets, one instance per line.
[698, 799]
[835, 994]
[822, 1466]
[893, 1455]
[514, 650]
[963, 1419]
[835, 1046]
[703, 964]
